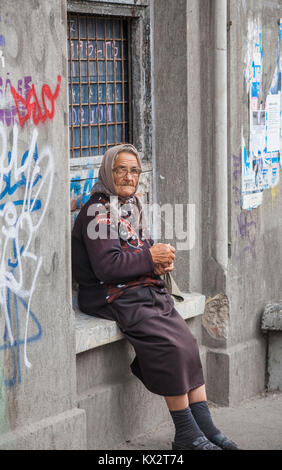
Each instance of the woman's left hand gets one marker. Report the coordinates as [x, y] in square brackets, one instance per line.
[159, 269]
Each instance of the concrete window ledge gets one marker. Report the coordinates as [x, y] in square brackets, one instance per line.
[92, 332]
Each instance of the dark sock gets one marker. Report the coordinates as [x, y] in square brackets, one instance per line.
[186, 428]
[201, 413]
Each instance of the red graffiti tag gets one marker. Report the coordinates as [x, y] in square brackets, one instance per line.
[31, 104]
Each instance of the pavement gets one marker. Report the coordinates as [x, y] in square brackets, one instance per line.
[254, 424]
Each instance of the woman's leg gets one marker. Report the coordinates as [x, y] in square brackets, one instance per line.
[200, 410]
[177, 403]
[198, 394]
[199, 406]
[182, 401]
[188, 434]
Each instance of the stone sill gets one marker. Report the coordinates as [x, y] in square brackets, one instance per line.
[272, 317]
[92, 332]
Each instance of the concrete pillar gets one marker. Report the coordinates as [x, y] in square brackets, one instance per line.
[37, 342]
[177, 129]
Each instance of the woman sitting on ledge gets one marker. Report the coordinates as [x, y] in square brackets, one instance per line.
[118, 270]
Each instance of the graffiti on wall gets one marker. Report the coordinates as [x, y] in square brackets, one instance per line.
[246, 224]
[80, 189]
[2, 45]
[26, 180]
[22, 183]
[8, 109]
[31, 106]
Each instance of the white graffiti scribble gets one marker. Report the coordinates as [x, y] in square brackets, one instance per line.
[20, 222]
[2, 59]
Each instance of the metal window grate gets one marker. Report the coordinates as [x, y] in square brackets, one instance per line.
[98, 84]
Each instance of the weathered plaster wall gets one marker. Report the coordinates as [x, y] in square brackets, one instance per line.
[236, 363]
[37, 348]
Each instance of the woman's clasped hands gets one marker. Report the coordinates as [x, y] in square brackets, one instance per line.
[163, 255]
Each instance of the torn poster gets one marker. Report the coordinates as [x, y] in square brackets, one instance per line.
[257, 132]
[273, 123]
[253, 200]
[251, 179]
[261, 162]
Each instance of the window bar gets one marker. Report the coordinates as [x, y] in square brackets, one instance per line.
[125, 65]
[98, 100]
[122, 71]
[70, 49]
[106, 81]
[115, 84]
[88, 85]
[79, 66]
[129, 55]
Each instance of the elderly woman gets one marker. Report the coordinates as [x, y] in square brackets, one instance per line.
[118, 270]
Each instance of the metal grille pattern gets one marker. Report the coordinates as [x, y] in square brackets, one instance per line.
[98, 84]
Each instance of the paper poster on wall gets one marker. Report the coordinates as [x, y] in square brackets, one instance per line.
[273, 123]
[253, 200]
[257, 132]
[251, 179]
[280, 117]
[261, 161]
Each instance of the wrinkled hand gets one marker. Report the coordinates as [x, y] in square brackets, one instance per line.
[159, 269]
[163, 254]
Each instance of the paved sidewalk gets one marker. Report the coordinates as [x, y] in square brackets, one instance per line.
[255, 424]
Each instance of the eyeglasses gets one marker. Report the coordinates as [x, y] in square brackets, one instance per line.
[123, 171]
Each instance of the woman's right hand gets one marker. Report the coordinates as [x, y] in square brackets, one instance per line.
[162, 254]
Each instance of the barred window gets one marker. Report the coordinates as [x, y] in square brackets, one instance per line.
[99, 83]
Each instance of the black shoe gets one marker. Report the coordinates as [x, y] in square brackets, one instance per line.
[223, 442]
[202, 443]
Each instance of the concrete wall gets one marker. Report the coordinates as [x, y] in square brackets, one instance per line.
[256, 251]
[37, 348]
[187, 172]
[38, 388]
[237, 365]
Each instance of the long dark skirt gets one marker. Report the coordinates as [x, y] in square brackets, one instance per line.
[167, 357]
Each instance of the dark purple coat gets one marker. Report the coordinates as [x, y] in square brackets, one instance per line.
[117, 282]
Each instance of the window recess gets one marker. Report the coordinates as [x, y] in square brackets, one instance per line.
[99, 83]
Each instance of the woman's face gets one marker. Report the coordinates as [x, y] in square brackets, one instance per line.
[126, 184]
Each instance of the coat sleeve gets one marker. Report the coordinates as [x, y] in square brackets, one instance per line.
[108, 261]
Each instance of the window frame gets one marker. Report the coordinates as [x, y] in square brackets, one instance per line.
[125, 83]
[140, 128]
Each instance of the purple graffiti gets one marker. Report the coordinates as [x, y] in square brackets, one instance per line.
[8, 110]
[237, 195]
[236, 175]
[245, 222]
[247, 230]
[237, 167]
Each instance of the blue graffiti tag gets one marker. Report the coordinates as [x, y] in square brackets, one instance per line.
[82, 194]
[18, 342]
[10, 189]
[19, 267]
